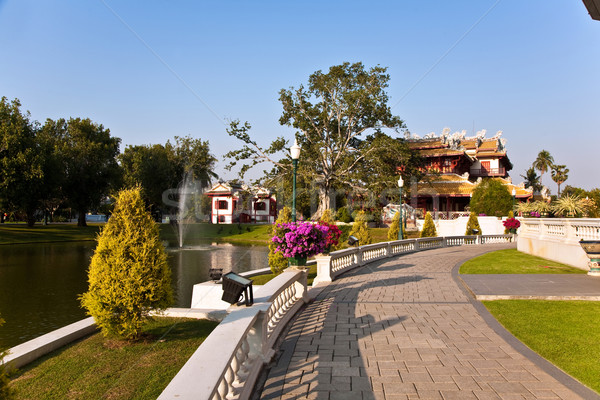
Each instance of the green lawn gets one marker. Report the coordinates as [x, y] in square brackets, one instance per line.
[21, 233]
[98, 368]
[511, 261]
[564, 332]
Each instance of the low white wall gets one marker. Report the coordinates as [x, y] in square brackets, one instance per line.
[558, 239]
[458, 227]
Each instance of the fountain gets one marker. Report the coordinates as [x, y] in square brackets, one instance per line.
[185, 215]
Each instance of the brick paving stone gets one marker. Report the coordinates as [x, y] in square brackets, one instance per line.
[399, 329]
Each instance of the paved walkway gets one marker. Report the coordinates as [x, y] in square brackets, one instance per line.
[405, 328]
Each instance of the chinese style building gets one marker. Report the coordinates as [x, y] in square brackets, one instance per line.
[237, 203]
[456, 164]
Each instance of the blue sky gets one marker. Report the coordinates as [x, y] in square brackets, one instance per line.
[155, 69]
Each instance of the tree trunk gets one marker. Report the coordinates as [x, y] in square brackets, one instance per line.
[30, 218]
[324, 201]
[81, 217]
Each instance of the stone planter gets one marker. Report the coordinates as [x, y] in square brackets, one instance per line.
[592, 249]
[297, 262]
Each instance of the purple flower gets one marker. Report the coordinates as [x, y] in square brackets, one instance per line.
[302, 239]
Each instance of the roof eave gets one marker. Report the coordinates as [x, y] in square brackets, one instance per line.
[593, 8]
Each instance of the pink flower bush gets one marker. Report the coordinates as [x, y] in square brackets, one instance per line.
[302, 239]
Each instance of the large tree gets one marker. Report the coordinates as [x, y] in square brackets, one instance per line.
[543, 163]
[491, 197]
[90, 163]
[21, 163]
[560, 173]
[334, 116]
[532, 180]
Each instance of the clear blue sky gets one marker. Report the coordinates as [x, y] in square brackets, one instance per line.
[155, 69]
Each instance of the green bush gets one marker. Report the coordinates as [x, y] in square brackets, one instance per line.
[394, 229]
[491, 197]
[129, 276]
[5, 391]
[343, 215]
[428, 227]
[277, 261]
[360, 229]
[472, 224]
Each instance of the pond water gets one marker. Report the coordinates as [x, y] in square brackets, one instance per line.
[40, 283]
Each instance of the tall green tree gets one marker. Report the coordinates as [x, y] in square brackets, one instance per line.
[360, 229]
[473, 227]
[333, 115]
[21, 163]
[543, 163]
[428, 227]
[90, 155]
[193, 155]
[560, 173]
[129, 275]
[151, 167]
[532, 180]
[491, 197]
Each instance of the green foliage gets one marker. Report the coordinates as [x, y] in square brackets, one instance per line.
[21, 162]
[572, 206]
[543, 162]
[491, 197]
[394, 229]
[129, 276]
[277, 261]
[5, 391]
[532, 180]
[473, 224]
[428, 227]
[330, 113]
[592, 195]
[327, 217]
[360, 229]
[90, 156]
[343, 215]
[560, 173]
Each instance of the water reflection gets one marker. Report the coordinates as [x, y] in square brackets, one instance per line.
[39, 284]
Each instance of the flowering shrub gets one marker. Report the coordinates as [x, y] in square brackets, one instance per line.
[512, 223]
[302, 239]
[333, 234]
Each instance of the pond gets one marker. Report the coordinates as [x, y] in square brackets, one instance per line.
[40, 283]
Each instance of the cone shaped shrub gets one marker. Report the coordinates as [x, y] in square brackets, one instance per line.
[129, 276]
[472, 224]
[394, 229]
[360, 229]
[277, 261]
[428, 227]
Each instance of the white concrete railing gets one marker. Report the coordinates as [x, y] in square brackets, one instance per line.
[331, 266]
[231, 358]
[558, 238]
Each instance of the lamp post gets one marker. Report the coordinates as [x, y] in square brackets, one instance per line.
[295, 153]
[400, 231]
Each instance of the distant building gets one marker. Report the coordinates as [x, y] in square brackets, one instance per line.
[238, 203]
[456, 164]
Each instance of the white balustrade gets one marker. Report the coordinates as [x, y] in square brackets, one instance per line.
[558, 238]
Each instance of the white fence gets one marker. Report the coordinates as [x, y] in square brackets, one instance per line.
[229, 361]
[338, 262]
[558, 238]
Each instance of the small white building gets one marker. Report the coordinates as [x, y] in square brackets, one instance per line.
[238, 203]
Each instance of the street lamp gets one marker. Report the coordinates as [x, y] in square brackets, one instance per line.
[295, 153]
[400, 231]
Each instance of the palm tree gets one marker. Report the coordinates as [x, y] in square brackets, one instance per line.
[560, 173]
[532, 180]
[543, 163]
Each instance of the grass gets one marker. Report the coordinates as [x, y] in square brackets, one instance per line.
[21, 233]
[563, 332]
[96, 367]
[512, 261]
[243, 233]
[262, 279]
